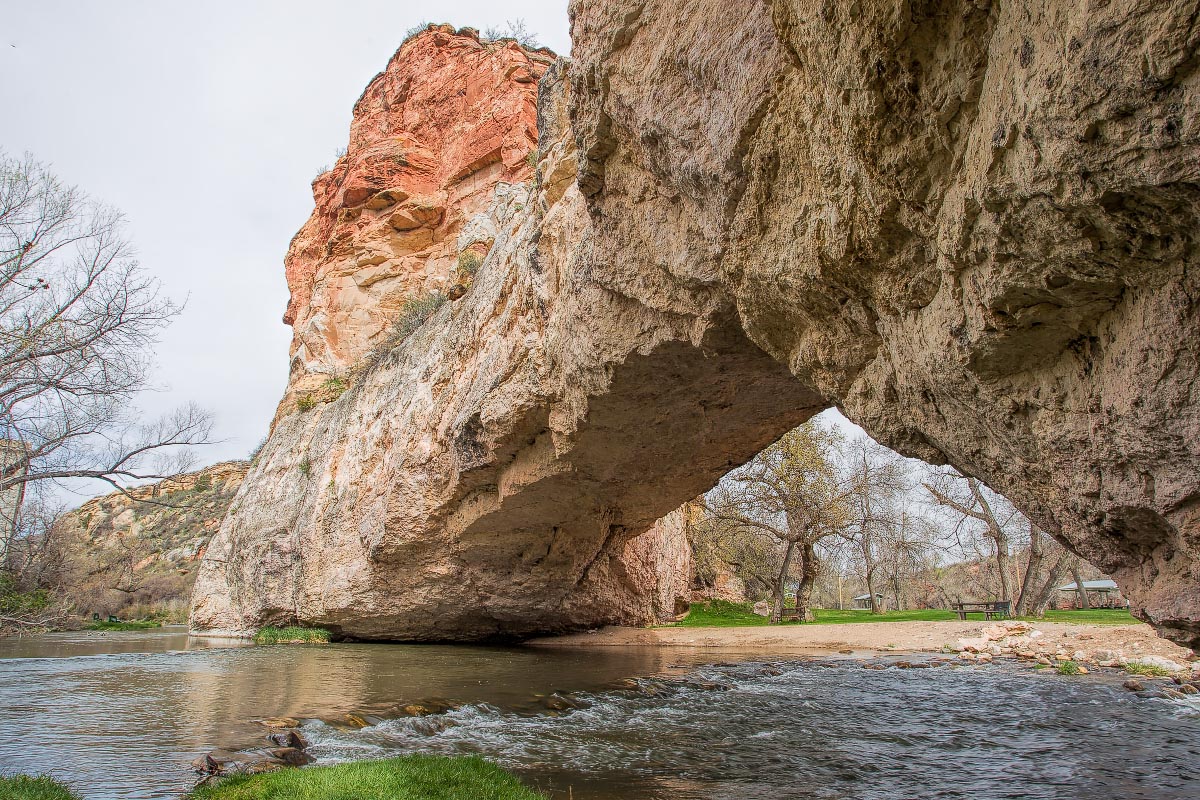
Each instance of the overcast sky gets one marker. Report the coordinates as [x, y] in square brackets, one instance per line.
[205, 123]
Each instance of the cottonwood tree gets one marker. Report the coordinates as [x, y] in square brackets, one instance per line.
[877, 478]
[1037, 590]
[978, 512]
[78, 320]
[791, 492]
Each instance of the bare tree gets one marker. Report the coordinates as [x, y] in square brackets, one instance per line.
[793, 493]
[978, 510]
[877, 477]
[78, 320]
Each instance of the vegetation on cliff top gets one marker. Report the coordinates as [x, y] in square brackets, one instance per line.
[404, 778]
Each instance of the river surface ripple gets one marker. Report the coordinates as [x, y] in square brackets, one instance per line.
[121, 715]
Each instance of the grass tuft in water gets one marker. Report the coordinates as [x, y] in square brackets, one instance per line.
[404, 778]
[25, 787]
[131, 625]
[1067, 668]
[293, 634]
[1146, 670]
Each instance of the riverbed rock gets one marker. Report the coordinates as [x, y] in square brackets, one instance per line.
[970, 226]
[291, 739]
[1134, 685]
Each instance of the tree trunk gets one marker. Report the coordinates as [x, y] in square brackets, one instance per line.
[1058, 571]
[1037, 555]
[896, 591]
[871, 592]
[1080, 592]
[780, 592]
[808, 581]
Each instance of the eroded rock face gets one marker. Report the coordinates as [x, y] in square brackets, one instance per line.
[969, 225]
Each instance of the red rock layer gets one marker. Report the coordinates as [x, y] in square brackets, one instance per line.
[432, 136]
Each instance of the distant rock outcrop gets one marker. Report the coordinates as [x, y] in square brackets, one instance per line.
[971, 226]
[142, 548]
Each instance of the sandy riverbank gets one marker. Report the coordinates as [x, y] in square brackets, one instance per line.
[1130, 641]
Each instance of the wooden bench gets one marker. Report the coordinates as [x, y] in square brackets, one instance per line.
[992, 609]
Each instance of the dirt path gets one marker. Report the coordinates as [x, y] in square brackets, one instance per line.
[1126, 641]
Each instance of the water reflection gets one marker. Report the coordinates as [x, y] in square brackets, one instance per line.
[122, 715]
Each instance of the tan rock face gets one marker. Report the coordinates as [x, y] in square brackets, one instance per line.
[971, 226]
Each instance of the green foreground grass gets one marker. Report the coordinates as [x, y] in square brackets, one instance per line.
[404, 778]
[293, 634]
[132, 625]
[723, 614]
[24, 787]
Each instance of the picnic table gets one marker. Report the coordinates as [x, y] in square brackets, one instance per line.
[990, 609]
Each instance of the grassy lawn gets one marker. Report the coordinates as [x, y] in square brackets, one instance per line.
[23, 787]
[722, 614]
[405, 778]
[1095, 616]
[133, 625]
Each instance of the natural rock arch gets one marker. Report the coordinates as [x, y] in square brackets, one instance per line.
[969, 226]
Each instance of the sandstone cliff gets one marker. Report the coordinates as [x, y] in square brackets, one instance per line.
[967, 224]
[127, 553]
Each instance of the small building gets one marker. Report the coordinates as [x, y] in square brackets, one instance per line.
[863, 601]
[1107, 595]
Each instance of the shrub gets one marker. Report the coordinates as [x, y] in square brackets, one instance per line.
[203, 483]
[292, 634]
[413, 314]
[1067, 668]
[258, 449]
[469, 263]
[533, 158]
[514, 29]
[414, 311]
[321, 170]
[416, 30]
[306, 403]
[305, 467]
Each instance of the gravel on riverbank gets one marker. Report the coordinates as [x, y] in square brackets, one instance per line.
[1130, 640]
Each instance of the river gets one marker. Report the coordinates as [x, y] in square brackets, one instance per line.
[121, 716]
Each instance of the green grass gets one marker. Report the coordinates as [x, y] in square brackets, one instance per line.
[1067, 668]
[1095, 616]
[827, 616]
[24, 787]
[404, 778]
[720, 614]
[131, 625]
[1147, 670]
[723, 614]
[291, 635]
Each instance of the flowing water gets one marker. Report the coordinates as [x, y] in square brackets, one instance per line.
[121, 715]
